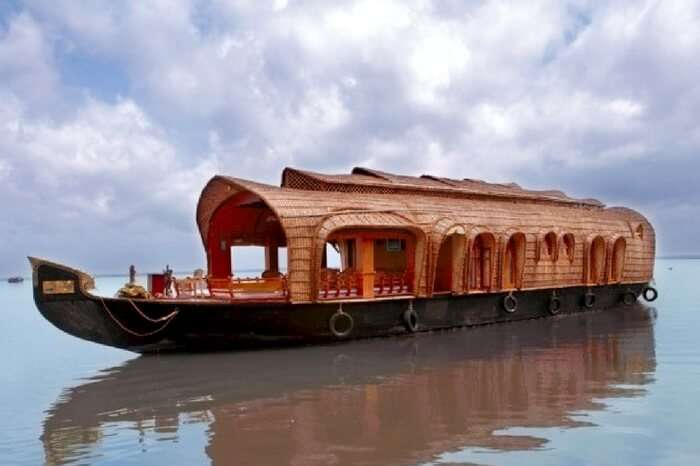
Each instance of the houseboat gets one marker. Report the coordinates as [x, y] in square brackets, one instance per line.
[368, 254]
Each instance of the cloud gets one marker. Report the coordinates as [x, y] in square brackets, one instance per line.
[99, 182]
[26, 61]
[592, 98]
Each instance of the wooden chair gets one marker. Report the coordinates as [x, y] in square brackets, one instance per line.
[184, 287]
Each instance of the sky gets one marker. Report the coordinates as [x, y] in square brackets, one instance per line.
[113, 115]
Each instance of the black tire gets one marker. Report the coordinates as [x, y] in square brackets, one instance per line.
[410, 320]
[589, 299]
[629, 298]
[341, 324]
[654, 294]
[510, 303]
[554, 305]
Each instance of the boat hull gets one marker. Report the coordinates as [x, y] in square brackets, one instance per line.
[191, 325]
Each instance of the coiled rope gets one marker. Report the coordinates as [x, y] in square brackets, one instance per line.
[167, 318]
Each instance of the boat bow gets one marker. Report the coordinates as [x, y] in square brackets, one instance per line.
[62, 295]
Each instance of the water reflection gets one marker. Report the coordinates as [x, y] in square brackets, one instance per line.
[386, 401]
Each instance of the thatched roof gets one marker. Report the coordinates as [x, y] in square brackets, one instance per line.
[367, 180]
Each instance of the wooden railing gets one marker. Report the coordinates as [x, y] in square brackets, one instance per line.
[348, 284]
[336, 284]
[393, 283]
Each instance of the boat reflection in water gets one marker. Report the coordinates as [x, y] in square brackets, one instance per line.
[387, 401]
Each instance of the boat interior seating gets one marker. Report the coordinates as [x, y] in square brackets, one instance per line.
[190, 286]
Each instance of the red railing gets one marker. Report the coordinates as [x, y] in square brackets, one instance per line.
[336, 284]
[348, 284]
[393, 283]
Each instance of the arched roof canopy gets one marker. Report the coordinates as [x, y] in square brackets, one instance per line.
[221, 190]
[303, 215]
[229, 214]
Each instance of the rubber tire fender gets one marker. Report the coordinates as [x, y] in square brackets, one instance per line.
[554, 306]
[629, 298]
[654, 295]
[510, 303]
[410, 320]
[333, 322]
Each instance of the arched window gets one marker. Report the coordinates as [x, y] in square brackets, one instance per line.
[618, 260]
[550, 246]
[514, 262]
[569, 246]
[481, 262]
[451, 252]
[596, 261]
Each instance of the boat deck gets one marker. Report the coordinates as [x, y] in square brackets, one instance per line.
[343, 294]
[274, 289]
[240, 298]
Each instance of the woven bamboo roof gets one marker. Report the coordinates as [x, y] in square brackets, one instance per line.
[308, 195]
[368, 180]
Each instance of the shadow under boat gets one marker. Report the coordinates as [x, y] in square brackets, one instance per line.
[384, 401]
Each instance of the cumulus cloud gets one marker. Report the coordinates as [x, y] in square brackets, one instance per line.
[26, 62]
[100, 182]
[596, 99]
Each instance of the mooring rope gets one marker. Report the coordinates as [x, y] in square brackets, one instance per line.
[150, 319]
[167, 318]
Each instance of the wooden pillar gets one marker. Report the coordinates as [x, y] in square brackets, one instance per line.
[458, 252]
[227, 258]
[521, 248]
[486, 268]
[219, 254]
[271, 261]
[411, 263]
[366, 260]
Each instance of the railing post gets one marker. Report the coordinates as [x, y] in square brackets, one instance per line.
[271, 261]
[367, 266]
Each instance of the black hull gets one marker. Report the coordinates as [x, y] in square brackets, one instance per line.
[215, 325]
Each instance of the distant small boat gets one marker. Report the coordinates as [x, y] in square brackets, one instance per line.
[15, 280]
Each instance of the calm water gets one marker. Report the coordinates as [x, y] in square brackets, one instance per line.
[596, 388]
